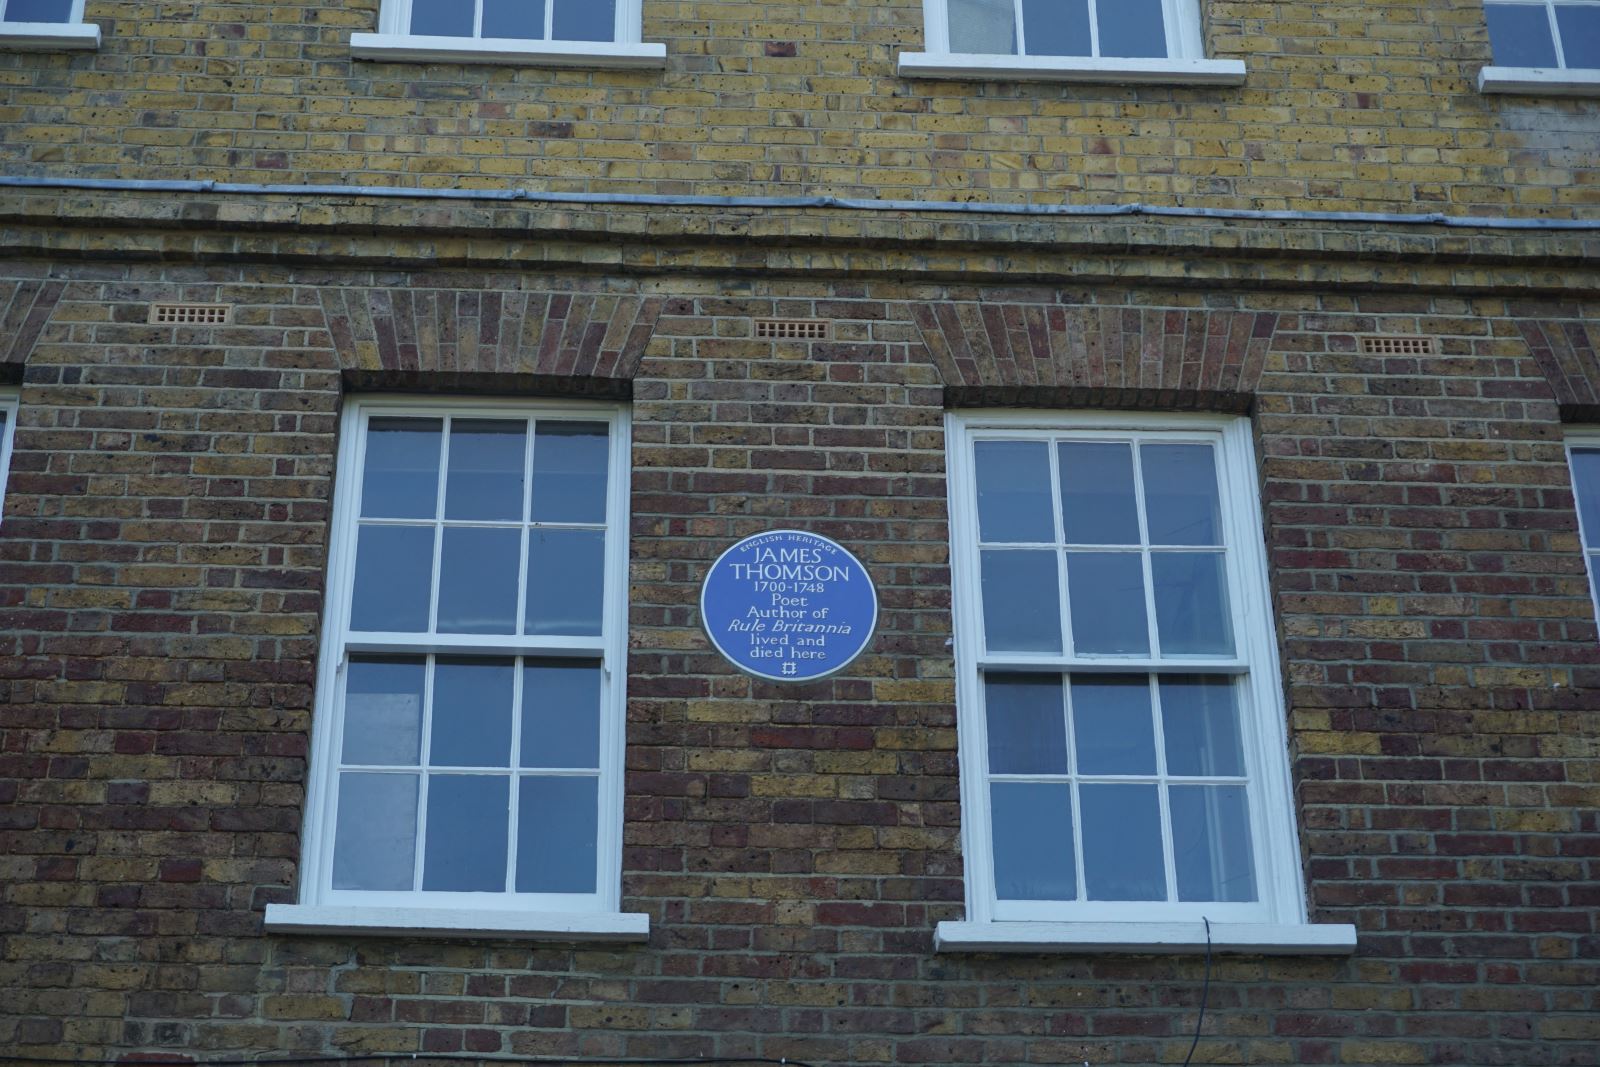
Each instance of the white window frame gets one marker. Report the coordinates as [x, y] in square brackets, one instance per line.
[1185, 62]
[395, 42]
[1559, 80]
[8, 408]
[1587, 439]
[596, 916]
[71, 35]
[1277, 923]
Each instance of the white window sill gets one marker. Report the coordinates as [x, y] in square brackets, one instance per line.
[49, 36]
[475, 922]
[1072, 69]
[1539, 81]
[1171, 938]
[404, 48]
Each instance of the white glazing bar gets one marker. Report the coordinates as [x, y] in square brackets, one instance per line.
[438, 525]
[424, 756]
[1058, 523]
[1152, 631]
[1080, 874]
[1169, 850]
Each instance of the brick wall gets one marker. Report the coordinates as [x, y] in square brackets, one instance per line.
[160, 589]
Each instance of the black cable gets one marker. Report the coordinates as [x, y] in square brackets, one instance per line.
[386, 1057]
[1205, 991]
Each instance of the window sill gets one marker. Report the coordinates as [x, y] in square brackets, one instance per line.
[1072, 69]
[1173, 938]
[49, 36]
[404, 48]
[448, 922]
[1539, 81]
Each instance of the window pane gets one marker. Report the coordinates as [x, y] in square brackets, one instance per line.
[1112, 724]
[1056, 27]
[558, 824]
[383, 711]
[1586, 484]
[1211, 843]
[561, 714]
[1132, 29]
[1520, 35]
[478, 581]
[486, 462]
[569, 471]
[1106, 590]
[1192, 615]
[1027, 724]
[1021, 606]
[401, 477]
[1014, 492]
[1033, 841]
[394, 568]
[566, 575]
[1580, 34]
[1097, 500]
[1180, 494]
[374, 846]
[585, 20]
[985, 27]
[1122, 843]
[471, 713]
[39, 11]
[520, 19]
[1200, 725]
[442, 18]
[468, 829]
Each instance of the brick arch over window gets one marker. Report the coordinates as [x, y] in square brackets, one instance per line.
[1567, 351]
[1057, 354]
[390, 332]
[25, 307]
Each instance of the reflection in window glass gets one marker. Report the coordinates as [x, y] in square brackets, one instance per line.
[464, 850]
[1021, 604]
[1098, 505]
[1520, 35]
[487, 457]
[38, 10]
[1014, 492]
[1579, 25]
[983, 27]
[400, 479]
[1033, 841]
[1027, 724]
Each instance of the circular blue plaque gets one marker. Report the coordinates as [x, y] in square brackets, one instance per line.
[789, 606]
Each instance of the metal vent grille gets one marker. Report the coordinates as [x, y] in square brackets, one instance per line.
[191, 314]
[1398, 346]
[793, 329]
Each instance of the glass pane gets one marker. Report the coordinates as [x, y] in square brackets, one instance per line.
[561, 714]
[478, 581]
[1106, 590]
[1520, 35]
[566, 577]
[1122, 843]
[569, 471]
[1021, 606]
[394, 567]
[1586, 484]
[1192, 615]
[1033, 841]
[39, 11]
[1013, 492]
[471, 713]
[375, 843]
[985, 27]
[1027, 724]
[520, 19]
[383, 711]
[1112, 724]
[1211, 843]
[469, 821]
[1132, 29]
[1097, 499]
[1200, 725]
[558, 823]
[486, 463]
[401, 477]
[585, 20]
[441, 18]
[1180, 494]
[1580, 34]
[1056, 27]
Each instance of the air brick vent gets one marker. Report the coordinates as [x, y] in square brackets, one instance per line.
[793, 329]
[189, 314]
[1399, 346]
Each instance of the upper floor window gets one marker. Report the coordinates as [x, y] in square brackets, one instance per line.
[45, 25]
[587, 33]
[1123, 755]
[1543, 46]
[468, 744]
[1069, 40]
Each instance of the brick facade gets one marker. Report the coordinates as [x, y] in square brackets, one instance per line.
[165, 539]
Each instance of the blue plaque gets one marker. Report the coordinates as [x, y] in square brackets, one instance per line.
[788, 606]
